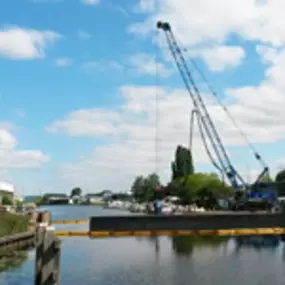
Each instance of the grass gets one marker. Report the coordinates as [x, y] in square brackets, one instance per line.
[12, 224]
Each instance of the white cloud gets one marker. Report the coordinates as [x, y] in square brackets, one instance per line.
[147, 64]
[130, 127]
[137, 64]
[121, 9]
[251, 19]
[20, 43]
[145, 6]
[94, 122]
[221, 57]
[83, 35]
[213, 22]
[131, 131]
[63, 62]
[11, 157]
[90, 2]
[94, 66]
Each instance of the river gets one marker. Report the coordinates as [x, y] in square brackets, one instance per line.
[157, 261]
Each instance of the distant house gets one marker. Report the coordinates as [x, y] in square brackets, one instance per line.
[76, 199]
[106, 194]
[52, 199]
[121, 196]
[94, 198]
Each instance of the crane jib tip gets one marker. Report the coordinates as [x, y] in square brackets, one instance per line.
[163, 25]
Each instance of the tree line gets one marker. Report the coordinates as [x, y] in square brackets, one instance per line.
[203, 189]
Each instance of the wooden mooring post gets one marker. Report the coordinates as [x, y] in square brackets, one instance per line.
[47, 256]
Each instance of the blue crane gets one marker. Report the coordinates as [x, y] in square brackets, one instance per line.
[205, 123]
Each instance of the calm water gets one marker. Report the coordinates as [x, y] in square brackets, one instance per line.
[158, 261]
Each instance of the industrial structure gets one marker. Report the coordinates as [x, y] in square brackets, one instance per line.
[258, 195]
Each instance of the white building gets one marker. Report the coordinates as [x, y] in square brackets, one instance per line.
[94, 198]
[18, 198]
[6, 190]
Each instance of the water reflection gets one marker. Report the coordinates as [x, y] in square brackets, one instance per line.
[184, 245]
[13, 260]
[158, 260]
[258, 242]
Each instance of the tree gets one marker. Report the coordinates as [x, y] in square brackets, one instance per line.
[182, 165]
[19, 203]
[138, 188]
[39, 201]
[151, 182]
[143, 188]
[173, 188]
[6, 201]
[266, 179]
[204, 189]
[76, 192]
[280, 179]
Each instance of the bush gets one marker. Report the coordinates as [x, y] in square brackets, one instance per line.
[204, 189]
[7, 201]
[12, 224]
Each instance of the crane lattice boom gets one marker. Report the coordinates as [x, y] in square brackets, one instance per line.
[234, 177]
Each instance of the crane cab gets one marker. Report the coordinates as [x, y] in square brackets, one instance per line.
[257, 197]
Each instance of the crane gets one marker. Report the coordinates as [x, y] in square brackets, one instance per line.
[205, 123]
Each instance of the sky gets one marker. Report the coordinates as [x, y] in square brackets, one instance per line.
[91, 97]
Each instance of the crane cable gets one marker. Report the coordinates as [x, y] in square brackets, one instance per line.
[198, 116]
[211, 89]
[203, 137]
[156, 102]
[222, 105]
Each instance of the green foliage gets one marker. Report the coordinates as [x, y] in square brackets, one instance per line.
[280, 177]
[31, 199]
[266, 179]
[173, 188]
[42, 200]
[77, 191]
[204, 189]
[11, 224]
[7, 201]
[19, 203]
[48, 195]
[143, 188]
[39, 201]
[182, 164]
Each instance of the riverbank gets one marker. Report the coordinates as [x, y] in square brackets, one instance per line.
[11, 224]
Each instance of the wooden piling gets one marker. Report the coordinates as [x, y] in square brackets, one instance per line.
[57, 245]
[47, 257]
[39, 255]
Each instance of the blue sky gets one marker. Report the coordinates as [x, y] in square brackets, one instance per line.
[78, 88]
